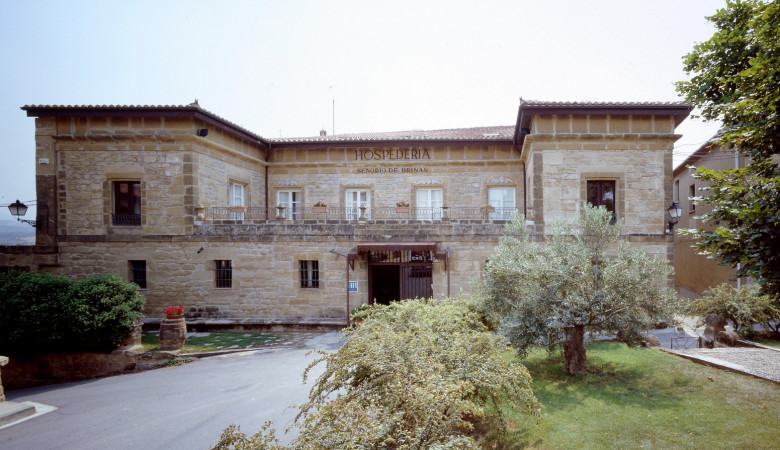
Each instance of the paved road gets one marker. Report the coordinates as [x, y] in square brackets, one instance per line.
[182, 407]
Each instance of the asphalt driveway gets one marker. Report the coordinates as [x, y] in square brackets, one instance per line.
[181, 407]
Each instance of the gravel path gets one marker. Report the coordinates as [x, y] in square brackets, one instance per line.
[763, 363]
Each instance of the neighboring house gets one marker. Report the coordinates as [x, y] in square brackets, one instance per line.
[695, 273]
[202, 212]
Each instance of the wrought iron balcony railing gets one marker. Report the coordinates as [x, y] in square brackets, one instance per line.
[126, 219]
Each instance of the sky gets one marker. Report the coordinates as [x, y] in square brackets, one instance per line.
[292, 68]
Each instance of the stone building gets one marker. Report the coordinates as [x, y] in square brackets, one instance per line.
[695, 273]
[202, 212]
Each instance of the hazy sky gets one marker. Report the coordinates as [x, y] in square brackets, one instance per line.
[275, 67]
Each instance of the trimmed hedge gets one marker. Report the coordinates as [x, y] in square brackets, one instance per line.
[45, 313]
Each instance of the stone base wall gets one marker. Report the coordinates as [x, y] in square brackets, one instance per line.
[60, 367]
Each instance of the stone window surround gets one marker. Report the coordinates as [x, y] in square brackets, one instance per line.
[122, 173]
[246, 193]
[620, 188]
[109, 201]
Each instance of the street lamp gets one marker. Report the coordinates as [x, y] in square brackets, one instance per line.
[18, 209]
[674, 215]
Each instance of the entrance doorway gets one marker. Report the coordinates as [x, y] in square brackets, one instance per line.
[390, 282]
[385, 283]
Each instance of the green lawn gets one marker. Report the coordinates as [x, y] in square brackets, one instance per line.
[644, 398]
[769, 342]
[224, 340]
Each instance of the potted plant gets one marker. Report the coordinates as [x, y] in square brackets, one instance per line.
[360, 313]
[488, 209]
[402, 206]
[174, 312]
[173, 329]
[320, 207]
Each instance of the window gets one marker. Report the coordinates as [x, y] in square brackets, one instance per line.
[138, 273]
[429, 203]
[224, 273]
[691, 195]
[291, 200]
[503, 200]
[310, 275]
[236, 199]
[676, 193]
[127, 203]
[602, 193]
[354, 200]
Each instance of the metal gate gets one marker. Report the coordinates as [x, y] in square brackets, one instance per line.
[399, 274]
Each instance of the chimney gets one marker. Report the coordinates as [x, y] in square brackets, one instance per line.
[323, 133]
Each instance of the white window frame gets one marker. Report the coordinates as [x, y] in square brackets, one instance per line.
[504, 206]
[353, 200]
[292, 203]
[428, 206]
[236, 198]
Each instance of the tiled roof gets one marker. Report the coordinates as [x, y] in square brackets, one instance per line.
[494, 133]
[542, 103]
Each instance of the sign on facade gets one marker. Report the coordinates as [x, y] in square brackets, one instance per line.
[353, 286]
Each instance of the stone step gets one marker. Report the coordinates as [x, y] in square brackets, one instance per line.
[12, 411]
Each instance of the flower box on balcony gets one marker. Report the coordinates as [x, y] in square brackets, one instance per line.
[319, 209]
[402, 209]
[236, 209]
[488, 209]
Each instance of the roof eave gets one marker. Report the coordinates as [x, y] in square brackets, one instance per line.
[172, 111]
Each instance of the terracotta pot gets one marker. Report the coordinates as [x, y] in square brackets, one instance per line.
[319, 209]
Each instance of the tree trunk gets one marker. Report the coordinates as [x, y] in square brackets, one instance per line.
[574, 350]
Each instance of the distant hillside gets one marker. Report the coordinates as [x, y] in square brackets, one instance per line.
[16, 233]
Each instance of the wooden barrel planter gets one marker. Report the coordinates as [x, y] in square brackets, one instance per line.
[173, 332]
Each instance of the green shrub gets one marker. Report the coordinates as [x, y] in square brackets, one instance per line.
[43, 313]
[415, 374]
[743, 306]
[105, 307]
[34, 312]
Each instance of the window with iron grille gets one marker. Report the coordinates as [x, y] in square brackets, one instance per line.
[127, 203]
[310, 275]
[138, 273]
[224, 273]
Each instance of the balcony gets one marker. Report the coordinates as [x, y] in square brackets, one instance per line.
[336, 215]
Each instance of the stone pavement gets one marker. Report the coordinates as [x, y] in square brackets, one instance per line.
[761, 362]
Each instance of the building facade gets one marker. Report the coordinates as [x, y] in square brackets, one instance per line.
[201, 212]
[695, 273]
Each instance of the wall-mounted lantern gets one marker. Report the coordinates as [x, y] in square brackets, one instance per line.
[674, 215]
[19, 209]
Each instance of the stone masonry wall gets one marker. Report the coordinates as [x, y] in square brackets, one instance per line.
[463, 173]
[89, 154]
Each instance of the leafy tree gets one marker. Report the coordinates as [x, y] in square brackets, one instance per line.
[581, 279]
[735, 78]
[415, 374]
[44, 313]
[743, 306]
[105, 307]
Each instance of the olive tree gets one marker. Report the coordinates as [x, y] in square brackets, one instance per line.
[582, 278]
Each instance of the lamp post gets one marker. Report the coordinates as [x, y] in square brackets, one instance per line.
[18, 209]
[674, 215]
